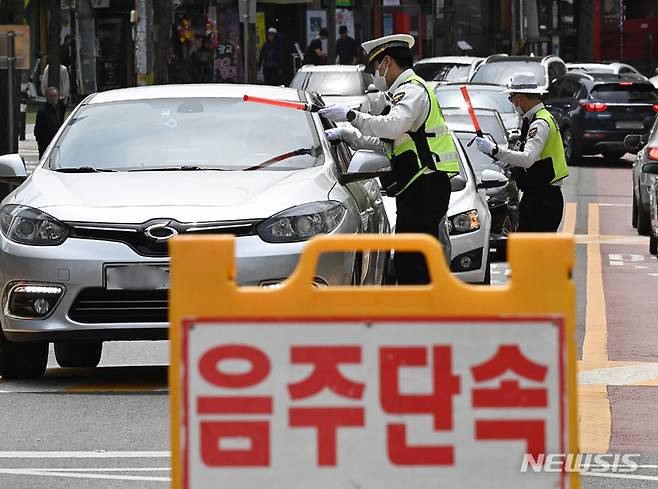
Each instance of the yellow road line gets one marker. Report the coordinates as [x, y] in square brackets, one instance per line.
[569, 221]
[595, 418]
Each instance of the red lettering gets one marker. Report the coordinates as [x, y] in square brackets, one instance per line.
[259, 363]
[257, 432]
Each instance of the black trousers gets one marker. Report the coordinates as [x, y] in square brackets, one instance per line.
[540, 210]
[420, 209]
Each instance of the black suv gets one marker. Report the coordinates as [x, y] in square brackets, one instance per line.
[596, 111]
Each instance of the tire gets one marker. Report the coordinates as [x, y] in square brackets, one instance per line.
[643, 221]
[634, 214]
[613, 155]
[572, 151]
[81, 354]
[22, 360]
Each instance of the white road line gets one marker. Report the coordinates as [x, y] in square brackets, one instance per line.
[614, 205]
[92, 454]
[96, 469]
[625, 375]
[612, 475]
[85, 476]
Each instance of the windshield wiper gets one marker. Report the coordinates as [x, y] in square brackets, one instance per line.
[83, 169]
[315, 151]
[180, 168]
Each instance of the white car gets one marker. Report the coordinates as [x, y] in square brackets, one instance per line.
[341, 85]
[469, 220]
[614, 68]
[447, 69]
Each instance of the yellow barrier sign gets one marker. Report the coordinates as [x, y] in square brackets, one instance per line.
[442, 386]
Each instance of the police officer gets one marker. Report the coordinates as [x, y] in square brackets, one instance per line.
[414, 135]
[538, 162]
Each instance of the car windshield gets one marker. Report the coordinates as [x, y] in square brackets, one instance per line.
[328, 83]
[625, 92]
[445, 72]
[481, 99]
[500, 73]
[192, 134]
[479, 161]
[489, 122]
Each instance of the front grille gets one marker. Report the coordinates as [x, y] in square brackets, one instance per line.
[134, 235]
[99, 305]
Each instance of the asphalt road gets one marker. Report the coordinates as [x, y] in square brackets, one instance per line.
[108, 427]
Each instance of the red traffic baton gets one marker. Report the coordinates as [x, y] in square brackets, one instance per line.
[471, 111]
[282, 103]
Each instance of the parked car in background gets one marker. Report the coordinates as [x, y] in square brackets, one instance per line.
[499, 68]
[489, 97]
[596, 111]
[340, 84]
[83, 242]
[654, 79]
[644, 176]
[447, 69]
[612, 68]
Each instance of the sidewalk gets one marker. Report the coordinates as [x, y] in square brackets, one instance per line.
[28, 149]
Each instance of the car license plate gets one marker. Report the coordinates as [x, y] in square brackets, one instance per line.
[137, 277]
[629, 125]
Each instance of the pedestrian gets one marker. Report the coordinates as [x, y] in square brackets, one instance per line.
[538, 161]
[271, 59]
[48, 120]
[64, 88]
[347, 52]
[413, 132]
[314, 54]
[67, 58]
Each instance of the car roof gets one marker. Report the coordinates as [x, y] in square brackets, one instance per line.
[492, 87]
[329, 68]
[458, 60]
[502, 58]
[599, 77]
[214, 90]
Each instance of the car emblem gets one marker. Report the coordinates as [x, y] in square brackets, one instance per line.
[160, 232]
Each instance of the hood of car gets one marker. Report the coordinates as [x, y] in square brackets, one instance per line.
[351, 101]
[187, 196]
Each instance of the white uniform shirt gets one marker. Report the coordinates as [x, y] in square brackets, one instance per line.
[409, 110]
[537, 136]
[64, 82]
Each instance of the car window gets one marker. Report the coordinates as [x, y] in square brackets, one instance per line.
[554, 89]
[367, 79]
[570, 88]
[335, 83]
[481, 99]
[479, 161]
[216, 133]
[448, 72]
[625, 92]
[555, 70]
[298, 81]
[490, 123]
[500, 72]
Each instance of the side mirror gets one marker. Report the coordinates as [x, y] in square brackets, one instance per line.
[372, 89]
[650, 168]
[366, 164]
[633, 142]
[492, 179]
[12, 169]
[457, 183]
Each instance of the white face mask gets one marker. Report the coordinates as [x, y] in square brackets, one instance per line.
[380, 80]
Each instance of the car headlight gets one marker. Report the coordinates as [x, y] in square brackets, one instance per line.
[465, 222]
[26, 225]
[302, 222]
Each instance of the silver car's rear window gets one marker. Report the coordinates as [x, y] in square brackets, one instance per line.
[212, 133]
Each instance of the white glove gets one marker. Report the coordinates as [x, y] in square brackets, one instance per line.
[486, 146]
[336, 113]
[334, 133]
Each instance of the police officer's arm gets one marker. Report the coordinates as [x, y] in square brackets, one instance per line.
[356, 140]
[411, 104]
[537, 137]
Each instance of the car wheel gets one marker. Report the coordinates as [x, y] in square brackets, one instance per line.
[634, 212]
[22, 360]
[572, 151]
[643, 221]
[82, 354]
[613, 155]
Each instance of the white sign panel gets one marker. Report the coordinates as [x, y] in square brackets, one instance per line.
[413, 404]
[315, 20]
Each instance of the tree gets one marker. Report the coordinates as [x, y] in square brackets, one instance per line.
[54, 31]
[163, 19]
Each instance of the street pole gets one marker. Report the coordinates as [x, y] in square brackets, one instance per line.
[11, 68]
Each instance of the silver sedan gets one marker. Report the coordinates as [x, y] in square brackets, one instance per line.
[83, 243]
